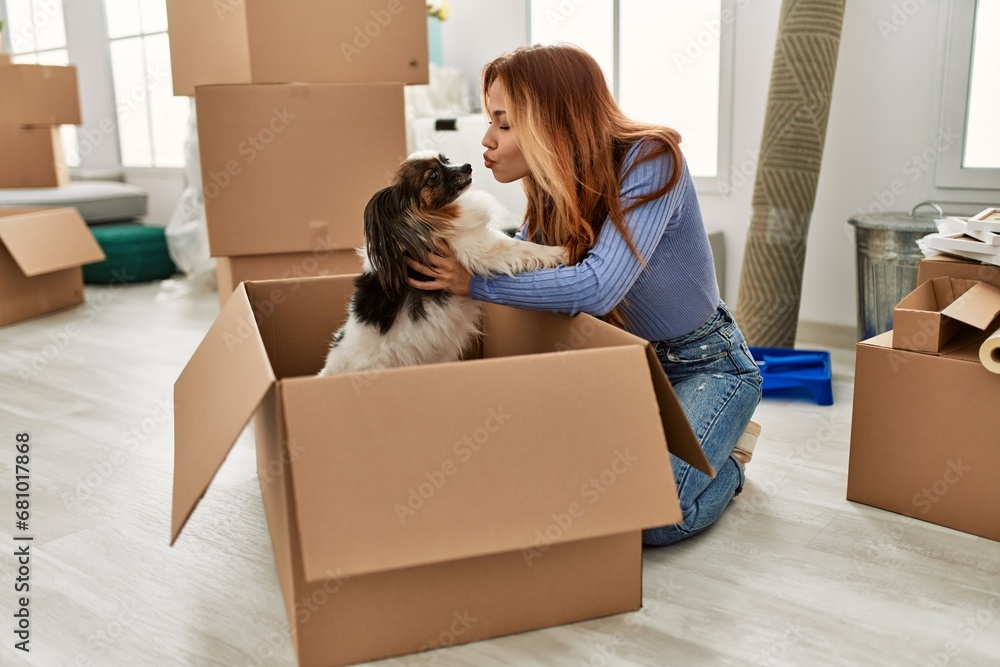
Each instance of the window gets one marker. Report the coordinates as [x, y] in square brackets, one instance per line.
[972, 97]
[667, 61]
[37, 33]
[152, 123]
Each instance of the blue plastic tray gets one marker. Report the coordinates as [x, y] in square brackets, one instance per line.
[789, 373]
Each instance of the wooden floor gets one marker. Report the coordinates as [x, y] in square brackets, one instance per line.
[793, 574]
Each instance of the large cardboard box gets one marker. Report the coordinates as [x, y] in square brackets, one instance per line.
[41, 252]
[315, 41]
[943, 266]
[231, 271]
[505, 492]
[924, 437]
[39, 95]
[32, 157]
[4, 59]
[290, 167]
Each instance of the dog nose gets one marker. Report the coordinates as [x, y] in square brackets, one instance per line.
[466, 168]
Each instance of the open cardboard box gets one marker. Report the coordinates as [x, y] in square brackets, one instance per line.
[231, 271]
[262, 41]
[924, 435]
[41, 252]
[937, 310]
[510, 489]
[39, 95]
[32, 157]
[289, 168]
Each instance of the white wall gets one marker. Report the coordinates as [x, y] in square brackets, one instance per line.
[885, 111]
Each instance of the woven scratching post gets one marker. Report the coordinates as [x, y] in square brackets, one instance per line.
[798, 104]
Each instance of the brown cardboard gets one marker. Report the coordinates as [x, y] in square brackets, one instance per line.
[943, 266]
[39, 95]
[290, 167]
[231, 271]
[930, 316]
[32, 157]
[5, 59]
[924, 436]
[506, 451]
[41, 251]
[261, 41]
[918, 321]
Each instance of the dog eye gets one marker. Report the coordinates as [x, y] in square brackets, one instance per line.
[433, 177]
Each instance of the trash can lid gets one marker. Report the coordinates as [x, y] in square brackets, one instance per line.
[900, 221]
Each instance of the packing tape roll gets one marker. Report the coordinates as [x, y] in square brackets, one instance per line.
[989, 352]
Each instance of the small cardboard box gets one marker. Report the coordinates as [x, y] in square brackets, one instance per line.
[32, 157]
[509, 489]
[930, 316]
[231, 271]
[39, 95]
[943, 266]
[41, 252]
[924, 436]
[328, 41]
[290, 167]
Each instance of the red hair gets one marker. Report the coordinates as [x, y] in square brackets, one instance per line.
[574, 138]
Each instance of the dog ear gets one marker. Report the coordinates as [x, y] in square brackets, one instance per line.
[393, 233]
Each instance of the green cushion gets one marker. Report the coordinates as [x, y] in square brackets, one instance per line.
[134, 253]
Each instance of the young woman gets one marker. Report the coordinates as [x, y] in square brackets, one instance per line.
[618, 194]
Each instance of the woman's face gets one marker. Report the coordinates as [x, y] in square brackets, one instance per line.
[503, 155]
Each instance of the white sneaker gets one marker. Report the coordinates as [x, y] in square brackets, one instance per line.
[744, 446]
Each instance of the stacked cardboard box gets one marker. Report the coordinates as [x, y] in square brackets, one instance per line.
[36, 99]
[925, 438]
[300, 121]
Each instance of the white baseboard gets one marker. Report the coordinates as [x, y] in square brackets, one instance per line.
[825, 333]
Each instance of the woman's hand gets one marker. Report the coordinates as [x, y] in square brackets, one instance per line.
[445, 272]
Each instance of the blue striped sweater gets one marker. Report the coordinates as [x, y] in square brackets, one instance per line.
[672, 296]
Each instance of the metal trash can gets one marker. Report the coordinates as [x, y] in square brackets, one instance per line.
[887, 256]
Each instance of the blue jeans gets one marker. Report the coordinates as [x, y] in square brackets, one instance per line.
[718, 384]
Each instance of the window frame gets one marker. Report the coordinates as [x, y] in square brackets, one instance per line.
[719, 184]
[949, 174]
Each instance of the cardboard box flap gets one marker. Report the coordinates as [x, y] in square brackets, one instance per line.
[214, 398]
[426, 464]
[41, 244]
[977, 307]
[514, 331]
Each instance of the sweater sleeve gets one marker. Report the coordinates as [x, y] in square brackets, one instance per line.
[600, 281]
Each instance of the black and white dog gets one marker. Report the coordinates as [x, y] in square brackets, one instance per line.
[391, 324]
